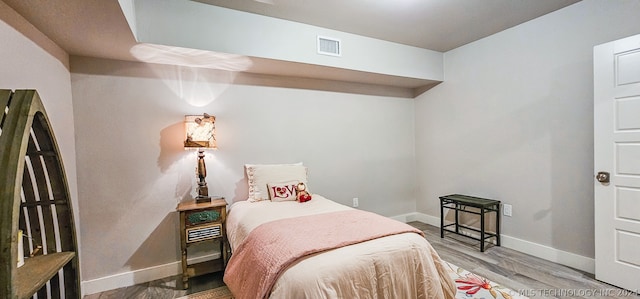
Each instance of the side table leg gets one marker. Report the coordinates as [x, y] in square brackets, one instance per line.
[185, 274]
[457, 220]
[183, 249]
[225, 255]
[498, 224]
[482, 211]
[441, 218]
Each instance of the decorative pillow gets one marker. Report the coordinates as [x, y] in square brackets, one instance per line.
[259, 175]
[285, 191]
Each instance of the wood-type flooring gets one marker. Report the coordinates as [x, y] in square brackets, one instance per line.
[528, 275]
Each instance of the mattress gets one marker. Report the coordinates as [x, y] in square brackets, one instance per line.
[396, 266]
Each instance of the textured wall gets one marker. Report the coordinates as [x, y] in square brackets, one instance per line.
[513, 120]
[41, 66]
[133, 169]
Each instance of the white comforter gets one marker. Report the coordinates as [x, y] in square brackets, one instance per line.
[398, 266]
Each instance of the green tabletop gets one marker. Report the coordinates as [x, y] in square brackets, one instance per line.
[471, 200]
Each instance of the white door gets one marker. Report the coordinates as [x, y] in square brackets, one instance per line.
[617, 151]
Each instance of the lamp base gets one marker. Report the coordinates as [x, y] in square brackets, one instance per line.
[201, 199]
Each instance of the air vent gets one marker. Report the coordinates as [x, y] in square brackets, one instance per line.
[329, 46]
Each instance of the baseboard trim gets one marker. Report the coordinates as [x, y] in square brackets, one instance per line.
[565, 258]
[405, 217]
[161, 271]
[131, 278]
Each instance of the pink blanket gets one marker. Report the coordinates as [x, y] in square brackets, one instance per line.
[272, 247]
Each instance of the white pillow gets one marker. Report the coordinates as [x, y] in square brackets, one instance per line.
[259, 175]
[283, 191]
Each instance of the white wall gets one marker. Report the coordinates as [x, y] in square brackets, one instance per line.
[25, 65]
[513, 121]
[133, 170]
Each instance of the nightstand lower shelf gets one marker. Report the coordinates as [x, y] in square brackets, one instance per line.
[205, 267]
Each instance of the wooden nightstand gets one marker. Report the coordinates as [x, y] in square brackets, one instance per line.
[200, 222]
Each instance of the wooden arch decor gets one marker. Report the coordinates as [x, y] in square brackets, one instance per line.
[34, 197]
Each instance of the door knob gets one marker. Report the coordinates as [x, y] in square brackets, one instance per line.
[602, 177]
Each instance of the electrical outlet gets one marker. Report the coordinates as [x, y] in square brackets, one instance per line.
[355, 202]
[507, 210]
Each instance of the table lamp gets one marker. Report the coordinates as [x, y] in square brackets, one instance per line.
[200, 135]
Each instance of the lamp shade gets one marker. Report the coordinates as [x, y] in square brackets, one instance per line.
[200, 131]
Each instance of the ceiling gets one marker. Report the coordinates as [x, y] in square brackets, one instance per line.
[439, 25]
[98, 28]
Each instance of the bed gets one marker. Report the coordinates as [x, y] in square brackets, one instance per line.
[323, 249]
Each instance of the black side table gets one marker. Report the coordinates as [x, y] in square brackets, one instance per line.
[459, 203]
